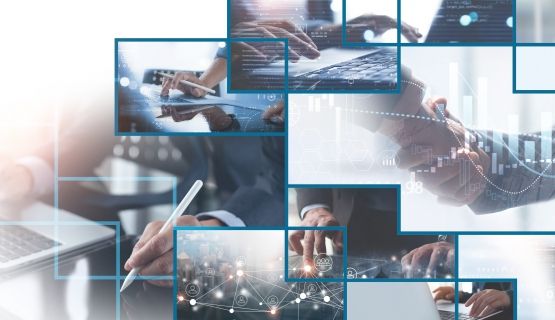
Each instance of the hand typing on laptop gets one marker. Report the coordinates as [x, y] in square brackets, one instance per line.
[428, 259]
[153, 252]
[487, 302]
[300, 44]
[444, 293]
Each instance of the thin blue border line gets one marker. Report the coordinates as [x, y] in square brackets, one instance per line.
[528, 91]
[56, 187]
[374, 280]
[170, 39]
[174, 273]
[229, 80]
[514, 21]
[456, 302]
[202, 228]
[116, 86]
[204, 134]
[456, 266]
[456, 44]
[117, 132]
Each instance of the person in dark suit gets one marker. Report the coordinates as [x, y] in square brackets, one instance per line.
[485, 298]
[370, 215]
[259, 204]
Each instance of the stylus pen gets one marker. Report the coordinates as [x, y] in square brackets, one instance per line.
[188, 83]
[176, 213]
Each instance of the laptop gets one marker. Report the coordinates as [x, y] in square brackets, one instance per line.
[335, 69]
[398, 301]
[27, 243]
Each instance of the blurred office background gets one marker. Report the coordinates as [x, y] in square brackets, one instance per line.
[325, 146]
[65, 62]
[530, 259]
[535, 21]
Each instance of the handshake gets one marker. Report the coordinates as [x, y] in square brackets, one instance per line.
[417, 125]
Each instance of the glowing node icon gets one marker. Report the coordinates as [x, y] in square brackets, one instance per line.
[323, 262]
[272, 301]
[192, 302]
[241, 300]
[327, 299]
[192, 290]
[351, 273]
[312, 288]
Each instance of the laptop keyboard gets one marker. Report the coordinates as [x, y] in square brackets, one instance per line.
[449, 315]
[17, 242]
[375, 66]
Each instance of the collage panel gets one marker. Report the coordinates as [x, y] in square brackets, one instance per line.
[229, 273]
[530, 259]
[533, 67]
[374, 249]
[472, 22]
[455, 140]
[178, 87]
[309, 257]
[316, 60]
[399, 300]
[535, 21]
[374, 23]
[493, 299]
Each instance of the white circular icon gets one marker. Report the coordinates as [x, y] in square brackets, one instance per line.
[192, 290]
[241, 300]
[323, 262]
[272, 301]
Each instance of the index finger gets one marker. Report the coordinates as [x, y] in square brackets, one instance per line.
[166, 86]
[308, 247]
[435, 259]
[155, 247]
[472, 299]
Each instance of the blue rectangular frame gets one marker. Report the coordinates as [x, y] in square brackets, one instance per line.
[514, 282]
[201, 228]
[528, 91]
[343, 229]
[188, 134]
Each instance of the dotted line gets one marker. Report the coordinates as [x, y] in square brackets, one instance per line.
[394, 114]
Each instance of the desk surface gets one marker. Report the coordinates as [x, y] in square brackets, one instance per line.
[36, 294]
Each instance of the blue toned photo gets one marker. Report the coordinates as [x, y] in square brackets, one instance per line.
[177, 87]
[240, 274]
[314, 57]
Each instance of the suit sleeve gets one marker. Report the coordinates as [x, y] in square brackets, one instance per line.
[310, 196]
[263, 203]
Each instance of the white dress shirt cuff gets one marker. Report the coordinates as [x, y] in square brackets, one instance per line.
[42, 173]
[313, 206]
[228, 218]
